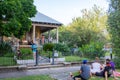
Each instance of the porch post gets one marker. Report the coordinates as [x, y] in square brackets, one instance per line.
[33, 33]
[57, 39]
[48, 36]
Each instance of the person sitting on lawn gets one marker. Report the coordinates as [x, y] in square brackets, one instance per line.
[84, 72]
[106, 73]
[113, 68]
[96, 66]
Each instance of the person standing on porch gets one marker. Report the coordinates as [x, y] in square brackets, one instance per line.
[34, 49]
[43, 39]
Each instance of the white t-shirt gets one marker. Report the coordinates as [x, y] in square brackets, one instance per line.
[96, 67]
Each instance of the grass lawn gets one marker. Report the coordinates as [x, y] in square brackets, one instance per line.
[7, 61]
[95, 77]
[74, 58]
[99, 78]
[36, 77]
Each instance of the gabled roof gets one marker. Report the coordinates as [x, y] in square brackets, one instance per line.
[41, 18]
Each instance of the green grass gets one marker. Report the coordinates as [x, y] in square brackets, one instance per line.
[7, 61]
[94, 77]
[36, 77]
[100, 78]
[74, 59]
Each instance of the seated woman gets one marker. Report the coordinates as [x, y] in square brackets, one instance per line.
[96, 66]
[106, 72]
[115, 73]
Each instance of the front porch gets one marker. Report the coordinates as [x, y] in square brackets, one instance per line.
[40, 24]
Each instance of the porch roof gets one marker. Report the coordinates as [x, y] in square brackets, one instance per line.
[43, 19]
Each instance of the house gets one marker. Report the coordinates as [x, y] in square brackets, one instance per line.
[40, 24]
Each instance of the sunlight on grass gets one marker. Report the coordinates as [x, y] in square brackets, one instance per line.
[74, 59]
[99, 78]
[94, 77]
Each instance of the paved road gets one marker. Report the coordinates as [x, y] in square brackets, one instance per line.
[61, 73]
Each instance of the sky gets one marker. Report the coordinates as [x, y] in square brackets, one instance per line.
[65, 10]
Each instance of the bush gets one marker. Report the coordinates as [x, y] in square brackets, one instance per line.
[5, 48]
[48, 47]
[9, 55]
[46, 53]
[117, 62]
[93, 49]
[26, 53]
[61, 47]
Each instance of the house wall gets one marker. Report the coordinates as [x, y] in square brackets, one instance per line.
[29, 35]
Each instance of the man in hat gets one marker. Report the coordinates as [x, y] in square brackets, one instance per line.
[84, 71]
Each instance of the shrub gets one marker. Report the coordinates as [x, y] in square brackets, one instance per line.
[26, 53]
[48, 47]
[46, 53]
[117, 62]
[9, 55]
[62, 49]
[5, 48]
[93, 49]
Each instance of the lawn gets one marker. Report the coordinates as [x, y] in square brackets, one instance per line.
[7, 61]
[36, 77]
[74, 59]
[99, 78]
[95, 77]
[46, 77]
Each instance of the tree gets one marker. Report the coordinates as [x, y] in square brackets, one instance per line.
[114, 24]
[85, 29]
[15, 17]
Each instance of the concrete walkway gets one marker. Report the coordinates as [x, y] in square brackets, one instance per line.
[60, 73]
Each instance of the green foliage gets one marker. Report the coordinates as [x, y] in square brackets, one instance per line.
[114, 25]
[83, 30]
[9, 55]
[46, 53]
[17, 17]
[26, 53]
[48, 47]
[117, 62]
[92, 50]
[61, 47]
[7, 61]
[5, 48]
